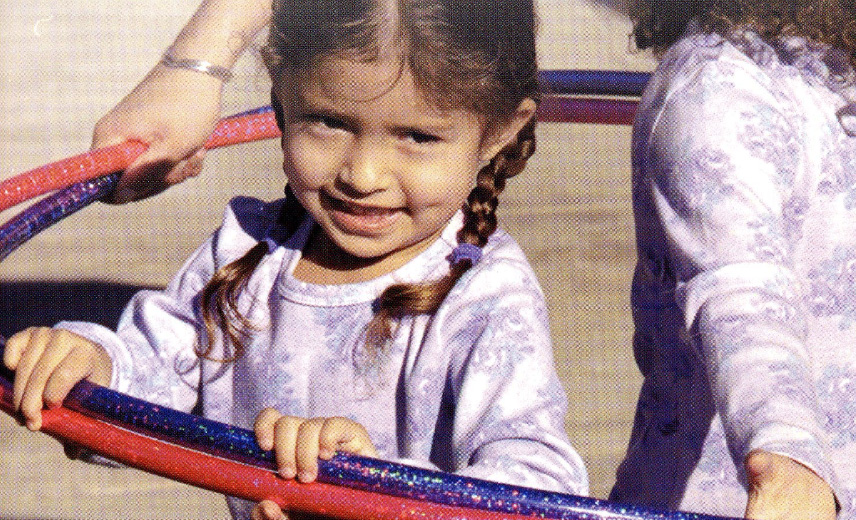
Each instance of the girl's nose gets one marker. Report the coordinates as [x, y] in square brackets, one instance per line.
[365, 169]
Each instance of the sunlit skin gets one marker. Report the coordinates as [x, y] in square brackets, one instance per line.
[379, 168]
[47, 364]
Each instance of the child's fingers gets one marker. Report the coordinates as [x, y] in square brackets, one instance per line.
[285, 444]
[264, 428]
[44, 362]
[55, 346]
[307, 449]
[83, 361]
[32, 345]
[343, 434]
[298, 443]
[267, 510]
[14, 348]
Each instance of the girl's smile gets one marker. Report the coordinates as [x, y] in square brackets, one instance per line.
[359, 219]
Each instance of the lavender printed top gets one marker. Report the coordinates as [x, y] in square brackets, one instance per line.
[471, 389]
[744, 296]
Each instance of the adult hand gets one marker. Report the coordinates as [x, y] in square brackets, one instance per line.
[172, 110]
[782, 489]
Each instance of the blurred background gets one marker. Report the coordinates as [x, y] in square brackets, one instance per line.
[64, 64]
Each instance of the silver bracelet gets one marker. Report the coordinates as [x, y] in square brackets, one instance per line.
[205, 67]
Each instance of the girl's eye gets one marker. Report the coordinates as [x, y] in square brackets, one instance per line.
[421, 137]
[324, 122]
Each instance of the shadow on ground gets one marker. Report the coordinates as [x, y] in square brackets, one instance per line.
[29, 304]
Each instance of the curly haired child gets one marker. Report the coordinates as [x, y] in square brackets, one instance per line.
[744, 298]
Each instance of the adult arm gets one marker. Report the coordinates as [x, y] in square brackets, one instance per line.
[175, 110]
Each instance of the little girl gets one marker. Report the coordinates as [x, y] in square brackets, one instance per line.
[377, 309]
[744, 189]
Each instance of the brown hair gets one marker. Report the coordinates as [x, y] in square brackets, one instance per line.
[833, 22]
[477, 55]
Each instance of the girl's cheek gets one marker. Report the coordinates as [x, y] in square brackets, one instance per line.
[438, 191]
[304, 162]
[315, 156]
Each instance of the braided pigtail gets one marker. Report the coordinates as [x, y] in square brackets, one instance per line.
[480, 222]
[219, 299]
[220, 304]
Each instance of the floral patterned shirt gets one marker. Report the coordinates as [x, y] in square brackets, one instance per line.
[744, 296]
[470, 389]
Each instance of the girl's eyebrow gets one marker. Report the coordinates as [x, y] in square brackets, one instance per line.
[427, 121]
[320, 105]
[305, 107]
[439, 128]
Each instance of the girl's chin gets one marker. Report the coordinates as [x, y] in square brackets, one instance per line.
[362, 249]
[375, 250]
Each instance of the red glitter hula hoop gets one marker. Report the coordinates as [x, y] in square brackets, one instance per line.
[226, 459]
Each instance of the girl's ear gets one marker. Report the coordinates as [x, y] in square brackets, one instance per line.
[500, 136]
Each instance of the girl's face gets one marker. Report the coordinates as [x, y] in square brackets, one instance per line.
[380, 169]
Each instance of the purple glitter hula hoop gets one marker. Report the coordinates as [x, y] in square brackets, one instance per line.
[223, 441]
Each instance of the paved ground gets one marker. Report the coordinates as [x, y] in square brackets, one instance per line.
[62, 65]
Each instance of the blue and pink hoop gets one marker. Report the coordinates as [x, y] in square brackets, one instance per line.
[226, 459]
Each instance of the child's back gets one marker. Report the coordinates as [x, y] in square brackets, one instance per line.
[743, 294]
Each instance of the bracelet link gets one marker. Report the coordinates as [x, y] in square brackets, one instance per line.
[205, 67]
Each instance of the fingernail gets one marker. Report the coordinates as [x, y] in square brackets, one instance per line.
[325, 454]
[306, 476]
[287, 472]
[33, 425]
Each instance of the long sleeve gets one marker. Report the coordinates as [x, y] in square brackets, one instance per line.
[470, 389]
[502, 413]
[723, 167]
[742, 299]
[154, 346]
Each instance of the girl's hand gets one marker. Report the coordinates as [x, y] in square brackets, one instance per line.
[298, 443]
[268, 510]
[781, 488]
[174, 111]
[47, 364]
